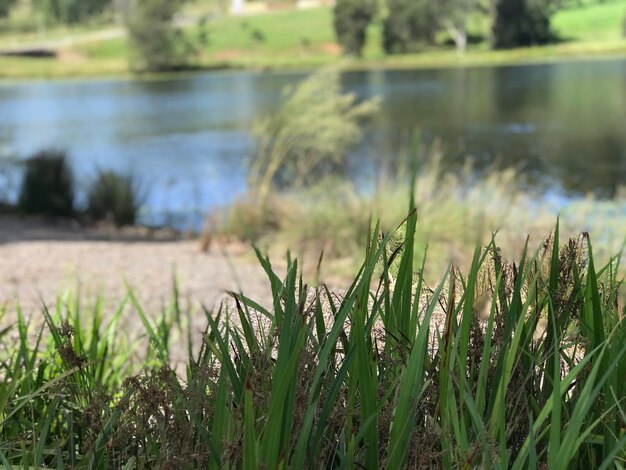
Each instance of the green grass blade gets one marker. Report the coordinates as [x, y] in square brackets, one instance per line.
[250, 461]
[411, 386]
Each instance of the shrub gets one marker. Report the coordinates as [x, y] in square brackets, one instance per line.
[114, 197]
[48, 187]
[257, 36]
[351, 19]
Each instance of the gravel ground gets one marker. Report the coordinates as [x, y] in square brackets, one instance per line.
[39, 261]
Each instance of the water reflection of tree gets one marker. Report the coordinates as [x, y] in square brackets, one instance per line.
[582, 169]
[559, 124]
[589, 147]
[496, 116]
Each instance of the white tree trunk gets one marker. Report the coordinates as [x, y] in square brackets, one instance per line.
[459, 35]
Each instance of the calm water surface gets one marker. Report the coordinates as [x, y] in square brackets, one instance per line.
[563, 125]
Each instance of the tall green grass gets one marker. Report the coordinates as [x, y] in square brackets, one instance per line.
[391, 373]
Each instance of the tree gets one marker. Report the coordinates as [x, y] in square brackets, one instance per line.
[72, 11]
[521, 23]
[5, 7]
[156, 44]
[408, 23]
[453, 16]
[308, 137]
[351, 19]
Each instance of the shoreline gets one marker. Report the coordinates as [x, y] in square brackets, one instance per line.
[390, 63]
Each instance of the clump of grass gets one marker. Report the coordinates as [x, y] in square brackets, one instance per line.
[391, 373]
[114, 197]
[307, 220]
[48, 187]
[308, 137]
[458, 211]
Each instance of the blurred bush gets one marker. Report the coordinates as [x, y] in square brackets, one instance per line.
[114, 197]
[48, 186]
[257, 36]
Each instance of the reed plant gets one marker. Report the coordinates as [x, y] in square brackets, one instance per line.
[115, 197]
[48, 186]
[517, 365]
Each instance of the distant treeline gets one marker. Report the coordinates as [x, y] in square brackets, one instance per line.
[407, 25]
[411, 24]
[62, 11]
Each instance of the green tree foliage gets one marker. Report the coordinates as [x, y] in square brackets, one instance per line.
[71, 11]
[521, 23]
[156, 44]
[351, 19]
[408, 23]
[5, 7]
[309, 135]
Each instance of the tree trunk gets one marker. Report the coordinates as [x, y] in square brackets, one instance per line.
[461, 39]
[459, 35]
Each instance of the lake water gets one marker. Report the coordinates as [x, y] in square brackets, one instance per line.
[562, 124]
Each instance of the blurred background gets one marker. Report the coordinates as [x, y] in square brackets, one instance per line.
[294, 124]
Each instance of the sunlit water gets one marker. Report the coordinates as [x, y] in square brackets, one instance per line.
[186, 140]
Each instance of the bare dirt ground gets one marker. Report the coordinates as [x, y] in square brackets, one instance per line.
[41, 260]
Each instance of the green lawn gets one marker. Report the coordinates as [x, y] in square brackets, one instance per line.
[304, 39]
[603, 21]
